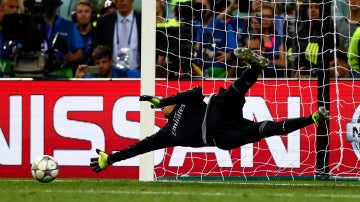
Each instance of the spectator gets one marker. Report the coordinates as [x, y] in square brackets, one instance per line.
[21, 6]
[68, 6]
[239, 24]
[122, 32]
[102, 55]
[345, 29]
[340, 68]
[255, 4]
[346, 25]
[315, 40]
[272, 42]
[174, 57]
[247, 29]
[216, 40]
[160, 12]
[84, 16]
[341, 8]
[229, 9]
[253, 42]
[67, 53]
[354, 53]
[254, 24]
[161, 34]
[249, 24]
[281, 10]
[6, 7]
[109, 7]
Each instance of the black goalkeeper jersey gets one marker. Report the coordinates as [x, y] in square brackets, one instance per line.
[184, 124]
[220, 123]
[182, 129]
[188, 126]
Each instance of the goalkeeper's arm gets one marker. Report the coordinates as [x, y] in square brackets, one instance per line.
[192, 95]
[101, 162]
[157, 141]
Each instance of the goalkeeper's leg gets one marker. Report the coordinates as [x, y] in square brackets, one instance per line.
[249, 56]
[250, 132]
[231, 101]
[270, 128]
[250, 75]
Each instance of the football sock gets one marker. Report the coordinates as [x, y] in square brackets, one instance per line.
[270, 128]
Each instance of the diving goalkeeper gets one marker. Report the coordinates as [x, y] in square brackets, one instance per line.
[220, 123]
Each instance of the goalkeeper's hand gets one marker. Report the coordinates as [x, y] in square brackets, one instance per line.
[101, 162]
[155, 101]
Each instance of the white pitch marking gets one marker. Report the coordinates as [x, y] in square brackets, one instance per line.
[355, 196]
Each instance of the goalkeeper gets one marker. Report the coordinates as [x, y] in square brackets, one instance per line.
[220, 123]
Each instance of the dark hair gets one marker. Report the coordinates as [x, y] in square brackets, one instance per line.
[303, 9]
[107, 4]
[184, 11]
[211, 4]
[53, 3]
[220, 5]
[84, 2]
[101, 51]
[44, 5]
[341, 54]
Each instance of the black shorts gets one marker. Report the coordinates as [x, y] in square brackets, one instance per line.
[226, 127]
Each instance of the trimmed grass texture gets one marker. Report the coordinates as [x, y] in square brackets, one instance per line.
[220, 191]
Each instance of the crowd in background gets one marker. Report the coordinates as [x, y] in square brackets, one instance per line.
[194, 38]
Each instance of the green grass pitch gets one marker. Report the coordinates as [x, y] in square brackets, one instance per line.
[100, 190]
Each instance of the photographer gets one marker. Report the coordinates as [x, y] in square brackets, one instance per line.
[67, 52]
[45, 45]
[6, 7]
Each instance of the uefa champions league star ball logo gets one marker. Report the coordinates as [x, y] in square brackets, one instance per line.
[353, 132]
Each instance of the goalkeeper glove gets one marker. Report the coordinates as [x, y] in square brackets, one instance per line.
[101, 162]
[155, 101]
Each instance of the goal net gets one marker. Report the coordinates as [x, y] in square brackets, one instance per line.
[312, 46]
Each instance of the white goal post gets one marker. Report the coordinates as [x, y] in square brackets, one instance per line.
[147, 115]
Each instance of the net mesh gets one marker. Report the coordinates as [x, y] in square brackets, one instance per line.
[312, 45]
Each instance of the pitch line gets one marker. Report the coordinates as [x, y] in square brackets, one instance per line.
[271, 183]
[289, 195]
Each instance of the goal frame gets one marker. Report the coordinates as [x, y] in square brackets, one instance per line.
[147, 115]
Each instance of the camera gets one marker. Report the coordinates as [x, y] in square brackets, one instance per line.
[28, 28]
[27, 32]
[25, 29]
[92, 70]
[41, 7]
